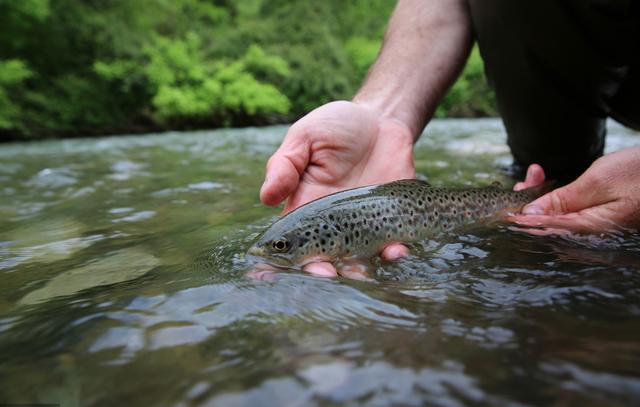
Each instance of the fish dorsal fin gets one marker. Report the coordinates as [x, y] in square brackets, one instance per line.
[414, 181]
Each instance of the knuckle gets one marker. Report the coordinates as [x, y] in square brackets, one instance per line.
[560, 200]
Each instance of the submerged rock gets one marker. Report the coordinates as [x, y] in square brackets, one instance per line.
[119, 266]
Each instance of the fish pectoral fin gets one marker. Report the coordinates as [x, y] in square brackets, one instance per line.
[354, 269]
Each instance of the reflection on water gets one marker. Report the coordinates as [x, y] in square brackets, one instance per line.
[124, 283]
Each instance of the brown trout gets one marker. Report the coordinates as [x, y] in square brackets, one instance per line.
[360, 222]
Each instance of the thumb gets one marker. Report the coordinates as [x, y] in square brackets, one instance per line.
[574, 197]
[284, 169]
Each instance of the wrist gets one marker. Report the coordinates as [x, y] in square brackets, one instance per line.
[393, 109]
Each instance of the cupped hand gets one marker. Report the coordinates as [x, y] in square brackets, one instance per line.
[603, 199]
[338, 146]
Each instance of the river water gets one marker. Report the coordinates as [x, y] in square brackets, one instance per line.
[123, 282]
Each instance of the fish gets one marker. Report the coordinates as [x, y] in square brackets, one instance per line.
[361, 222]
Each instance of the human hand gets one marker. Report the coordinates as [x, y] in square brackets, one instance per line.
[603, 199]
[338, 146]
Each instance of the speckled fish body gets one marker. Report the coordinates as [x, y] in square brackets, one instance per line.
[360, 222]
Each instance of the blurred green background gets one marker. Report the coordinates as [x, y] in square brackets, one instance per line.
[88, 67]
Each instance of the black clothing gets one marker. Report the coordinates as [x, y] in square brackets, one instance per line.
[559, 68]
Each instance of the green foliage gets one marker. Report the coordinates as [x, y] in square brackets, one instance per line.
[12, 74]
[96, 66]
[363, 52]
[185, 85]
[470, 96]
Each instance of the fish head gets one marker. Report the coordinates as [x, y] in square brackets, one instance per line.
[279, 247]
[295, 240]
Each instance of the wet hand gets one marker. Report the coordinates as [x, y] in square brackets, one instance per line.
[603, 199]
[338, 146]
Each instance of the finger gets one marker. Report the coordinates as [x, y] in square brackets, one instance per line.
[285, 167]
[262, 275]
[583, 222]
[262, 271]
[355, 271]
[394, 252]
[535, 176]
[321, 269]
[541, 231]
[574, 197]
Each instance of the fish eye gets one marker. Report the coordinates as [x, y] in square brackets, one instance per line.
[280, 245]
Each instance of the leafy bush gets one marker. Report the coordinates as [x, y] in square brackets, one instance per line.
[82, 67]
[470, 95]
[12, 74]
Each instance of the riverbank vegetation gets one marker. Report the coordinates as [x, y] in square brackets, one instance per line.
[85, 67]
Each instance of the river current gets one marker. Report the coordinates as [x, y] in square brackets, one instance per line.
[123, 282]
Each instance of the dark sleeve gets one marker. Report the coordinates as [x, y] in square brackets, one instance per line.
[559, 68]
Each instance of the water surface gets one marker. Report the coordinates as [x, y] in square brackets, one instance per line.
[124, 283]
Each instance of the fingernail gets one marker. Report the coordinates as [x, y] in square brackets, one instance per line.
[532, 210]
[264, 184]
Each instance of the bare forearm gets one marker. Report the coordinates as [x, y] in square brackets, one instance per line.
[424, 49]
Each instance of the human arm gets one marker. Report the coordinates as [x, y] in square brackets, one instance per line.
[370, 140]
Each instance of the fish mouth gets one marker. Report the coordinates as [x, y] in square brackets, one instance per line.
[260, 255]
[256, 251]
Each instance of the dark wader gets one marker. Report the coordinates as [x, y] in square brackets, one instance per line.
[559, 68]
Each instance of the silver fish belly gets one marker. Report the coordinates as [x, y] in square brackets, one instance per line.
[360, 222]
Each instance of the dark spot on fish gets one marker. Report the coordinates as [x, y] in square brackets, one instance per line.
[325, 227]
[316, 230]
[331, 217]
[323, 242]
[307, 233]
